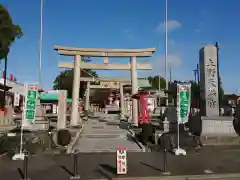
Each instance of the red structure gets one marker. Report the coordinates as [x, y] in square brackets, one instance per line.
[143, 111]
[11, 77]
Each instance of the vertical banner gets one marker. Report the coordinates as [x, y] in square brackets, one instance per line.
[121, 160]
[30, 102]
[183, 102]
[16, 99]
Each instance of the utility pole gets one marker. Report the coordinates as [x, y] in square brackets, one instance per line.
[170, 74]
[166, 48]
[196, 79]
[40, 45]
[218, 76]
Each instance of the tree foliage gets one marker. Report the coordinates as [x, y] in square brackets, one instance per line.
[195, 90]
[65, 81]
[154, 81]
[9, 32]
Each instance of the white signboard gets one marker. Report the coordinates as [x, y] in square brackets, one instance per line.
[150, 104]
[121, 161]
[16, 99]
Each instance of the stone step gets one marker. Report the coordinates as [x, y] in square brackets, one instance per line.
[105, 145]
[107, 150]
[110, 131]
[98, 126]
[103, 136]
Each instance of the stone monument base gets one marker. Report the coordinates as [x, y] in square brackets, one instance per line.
[219, 126]
[225, 140]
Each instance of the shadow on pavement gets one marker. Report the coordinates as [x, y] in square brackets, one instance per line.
[152, 167]
[67, 170]
[107, 171]
[20, 173]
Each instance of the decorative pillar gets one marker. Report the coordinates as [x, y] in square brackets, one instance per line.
[134, 91]
[87, 95]
[122, 101]
[75, 117]
[62, 106]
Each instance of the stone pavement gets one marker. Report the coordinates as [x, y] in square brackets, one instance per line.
[104, 136]
[221, 162]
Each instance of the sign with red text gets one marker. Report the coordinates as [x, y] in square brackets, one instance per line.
[121, 161]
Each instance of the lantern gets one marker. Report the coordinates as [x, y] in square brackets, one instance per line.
[145, 106]
[144, 120]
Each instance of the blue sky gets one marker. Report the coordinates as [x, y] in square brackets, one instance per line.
[127, 24]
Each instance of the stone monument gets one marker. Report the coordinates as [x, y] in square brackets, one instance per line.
[208, 61]
[62, 109]
[213, 124]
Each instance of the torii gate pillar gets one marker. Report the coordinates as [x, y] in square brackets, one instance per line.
[134, 91]
[75, 117]
[122, 101]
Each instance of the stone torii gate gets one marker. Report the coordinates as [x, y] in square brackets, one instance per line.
[105, 53]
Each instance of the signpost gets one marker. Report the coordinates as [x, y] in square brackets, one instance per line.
[121, 160]
[183, 109]
[29, 113]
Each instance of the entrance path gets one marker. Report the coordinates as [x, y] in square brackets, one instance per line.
[104, 136]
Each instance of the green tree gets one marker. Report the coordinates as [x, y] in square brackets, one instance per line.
[9, 32]
[65, 81]
[195, 90]
[154, 81]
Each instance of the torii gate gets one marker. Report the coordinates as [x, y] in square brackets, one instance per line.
[106, 53]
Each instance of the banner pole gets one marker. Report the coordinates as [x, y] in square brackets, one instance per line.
[178, 138]
[23, 119]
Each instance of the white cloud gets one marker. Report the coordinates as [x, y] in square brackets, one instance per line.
[171, 25]
[174, 60]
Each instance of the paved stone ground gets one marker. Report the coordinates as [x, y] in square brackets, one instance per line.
[219, 160]
[101, 136]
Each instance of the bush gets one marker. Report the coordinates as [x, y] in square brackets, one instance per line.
[236, 125]
[64, 137]
[33, 142]
[9, 145]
